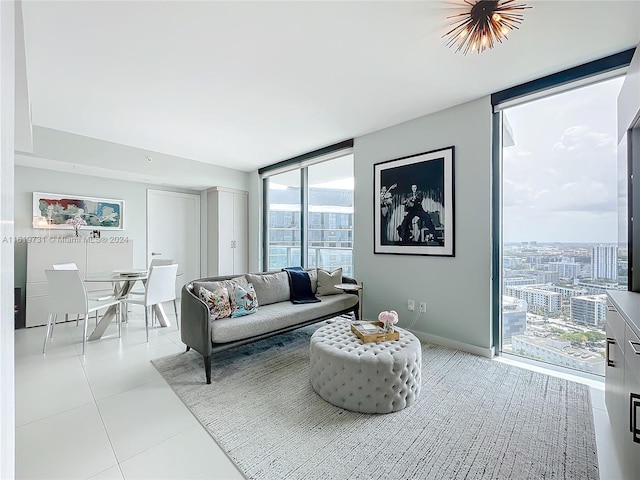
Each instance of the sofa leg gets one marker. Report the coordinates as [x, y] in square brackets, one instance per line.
[207, 368]
[188, 348]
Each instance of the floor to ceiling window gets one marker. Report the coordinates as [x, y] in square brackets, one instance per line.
[309, 214]
[285, 228]
[560, 242]
[330, 215]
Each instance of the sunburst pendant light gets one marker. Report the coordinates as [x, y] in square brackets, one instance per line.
[488, 22]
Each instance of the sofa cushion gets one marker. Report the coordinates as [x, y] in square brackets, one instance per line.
[276, 316]
[313, 276]
[246, 301]
[271, 287]
[327, 280]
[229, 284]
[217, 302]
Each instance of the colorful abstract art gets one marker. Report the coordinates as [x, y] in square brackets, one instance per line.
[98, 213]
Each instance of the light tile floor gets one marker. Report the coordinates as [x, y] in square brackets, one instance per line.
[110, 415]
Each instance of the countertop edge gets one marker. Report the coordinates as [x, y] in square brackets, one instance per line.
[628, 305]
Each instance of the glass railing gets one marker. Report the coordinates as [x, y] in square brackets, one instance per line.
[328, 258]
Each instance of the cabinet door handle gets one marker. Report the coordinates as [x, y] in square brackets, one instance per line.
[610, 363]
[634, 402]
[635, 346]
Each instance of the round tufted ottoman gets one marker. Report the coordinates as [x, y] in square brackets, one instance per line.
[377, 377]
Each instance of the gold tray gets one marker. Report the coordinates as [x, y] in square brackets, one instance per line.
[374, 337]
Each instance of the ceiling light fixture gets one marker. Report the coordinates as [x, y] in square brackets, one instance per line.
[488, 22]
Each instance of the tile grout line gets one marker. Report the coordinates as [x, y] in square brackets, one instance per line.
[106, 431]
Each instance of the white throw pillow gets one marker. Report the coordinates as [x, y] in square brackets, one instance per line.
[327, 280]
[217, 301]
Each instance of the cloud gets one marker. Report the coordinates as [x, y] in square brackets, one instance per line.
[580, 137]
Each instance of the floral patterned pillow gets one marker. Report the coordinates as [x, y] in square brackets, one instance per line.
[246, 301]
[217, 301]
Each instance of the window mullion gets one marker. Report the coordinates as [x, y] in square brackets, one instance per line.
[304, 215]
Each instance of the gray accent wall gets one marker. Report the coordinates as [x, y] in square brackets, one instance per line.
[457, 289]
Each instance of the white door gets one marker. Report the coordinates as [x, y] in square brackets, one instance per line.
[173, 231]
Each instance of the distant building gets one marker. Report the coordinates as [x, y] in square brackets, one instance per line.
[589, 309]
[514, 318]
[512, 281]
[604, 262]
[536, 298]
[598, 288]
[558, 352]
[565, 269]
[567, 292]
[541, 276]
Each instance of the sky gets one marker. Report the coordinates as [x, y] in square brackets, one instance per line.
[560, 178]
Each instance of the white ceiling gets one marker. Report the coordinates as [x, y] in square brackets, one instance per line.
[246, 84]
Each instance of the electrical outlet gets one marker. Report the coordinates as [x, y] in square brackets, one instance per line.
[423, 307]
[411, 306]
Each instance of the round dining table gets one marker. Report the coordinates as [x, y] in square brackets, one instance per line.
[122, 285]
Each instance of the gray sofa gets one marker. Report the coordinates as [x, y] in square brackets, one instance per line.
[275, 314]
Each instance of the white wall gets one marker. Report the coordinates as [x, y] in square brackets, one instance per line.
[457, 289]
[7, 398]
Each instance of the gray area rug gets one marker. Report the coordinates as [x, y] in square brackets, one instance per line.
[475, 419]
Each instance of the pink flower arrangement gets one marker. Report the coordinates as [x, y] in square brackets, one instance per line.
[388, 319]
[76, 222]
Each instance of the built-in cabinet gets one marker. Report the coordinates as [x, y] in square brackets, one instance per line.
[622, 392]
[91, 256]
[227, 231]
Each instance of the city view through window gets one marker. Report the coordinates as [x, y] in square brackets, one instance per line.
[329, 217]
[561, 248]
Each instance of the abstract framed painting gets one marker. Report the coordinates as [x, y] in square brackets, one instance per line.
[413, 206]
[57, 209]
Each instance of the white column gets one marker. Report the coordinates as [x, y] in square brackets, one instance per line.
[7, 397]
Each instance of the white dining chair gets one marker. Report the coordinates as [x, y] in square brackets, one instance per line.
[160, 288]
[94, 295]
[154, 263]
[68, 294]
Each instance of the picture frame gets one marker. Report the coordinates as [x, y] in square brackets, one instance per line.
[56, 209]
[413, 204]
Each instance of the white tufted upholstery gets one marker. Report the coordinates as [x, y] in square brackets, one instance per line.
[377, 377]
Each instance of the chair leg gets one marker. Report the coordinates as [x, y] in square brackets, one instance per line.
[46, 335]
[119, 319]
[53, 324]
[84, 336]
[146, 321]
[175, 309]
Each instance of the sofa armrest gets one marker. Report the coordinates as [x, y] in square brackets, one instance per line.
[194, 322]
[349, 280]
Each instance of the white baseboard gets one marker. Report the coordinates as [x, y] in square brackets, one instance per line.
[446, 342]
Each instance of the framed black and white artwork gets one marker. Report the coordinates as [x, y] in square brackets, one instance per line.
[413, 212]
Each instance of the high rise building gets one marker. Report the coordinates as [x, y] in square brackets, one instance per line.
[604, 262]
[589, 309]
